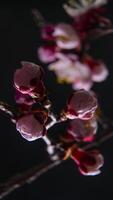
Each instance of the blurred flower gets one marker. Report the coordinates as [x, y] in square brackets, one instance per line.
[66, 44]
[82, 130]
[47, 53]
[81, 74]
[82, 105]
[89, 163]
[90, 23]
[70, 70]
[98, 68]
[66, 37]
[79, 7]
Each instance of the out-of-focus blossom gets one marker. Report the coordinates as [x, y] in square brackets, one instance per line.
[98, 69]
[66, 37]
[31, 126]
[82, 6]
[81, 74]
[89, 163]
[66, 44]
[47, 53]
[28, 80]
[82, 130]
[63, 35]
[82, 105]
[90, 23]
[68, 69]
[47, 32]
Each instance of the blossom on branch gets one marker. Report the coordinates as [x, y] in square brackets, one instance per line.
[89, 163]
[28, 80]
[82, 105]
[32, 126]
[82, 130]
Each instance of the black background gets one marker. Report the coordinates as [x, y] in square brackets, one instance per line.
[19, 39]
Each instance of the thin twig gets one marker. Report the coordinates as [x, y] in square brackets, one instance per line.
[38, 18]
[7, 109]
[97, 34]
[26, 178]
[52, 122]
[56, 119]
[34, 173]
[100, 141]
[47, 140]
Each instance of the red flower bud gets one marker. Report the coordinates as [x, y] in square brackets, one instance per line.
[81, 104]
[83, 130]
[89, 163]
[31, 126]
[28, 77]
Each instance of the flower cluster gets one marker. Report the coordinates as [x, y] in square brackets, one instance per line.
[65, 51]
[82, 128]
[80, 110]
[65, 45]
[30, 89]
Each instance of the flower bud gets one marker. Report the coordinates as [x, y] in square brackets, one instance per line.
[31, 126]
[81, 104]
[83, 130]
[89, 163]
[28, 77]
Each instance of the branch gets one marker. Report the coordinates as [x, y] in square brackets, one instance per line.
[26, 178]
[97, 34]
[100, 141]
[38, 18]
[56, 119]
[7, 109]
[34, 173]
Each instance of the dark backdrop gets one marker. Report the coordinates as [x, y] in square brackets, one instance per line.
[19, 39]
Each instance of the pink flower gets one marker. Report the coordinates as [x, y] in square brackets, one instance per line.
[66, 37]
[82, 83]
[70, 70]
[47, 53]
[82, 130]
[28, 80]
[31, 126]
[89, 163]
[82, 105]
[82, 6]
[91, 23]
[98, 68]
[80, 74]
